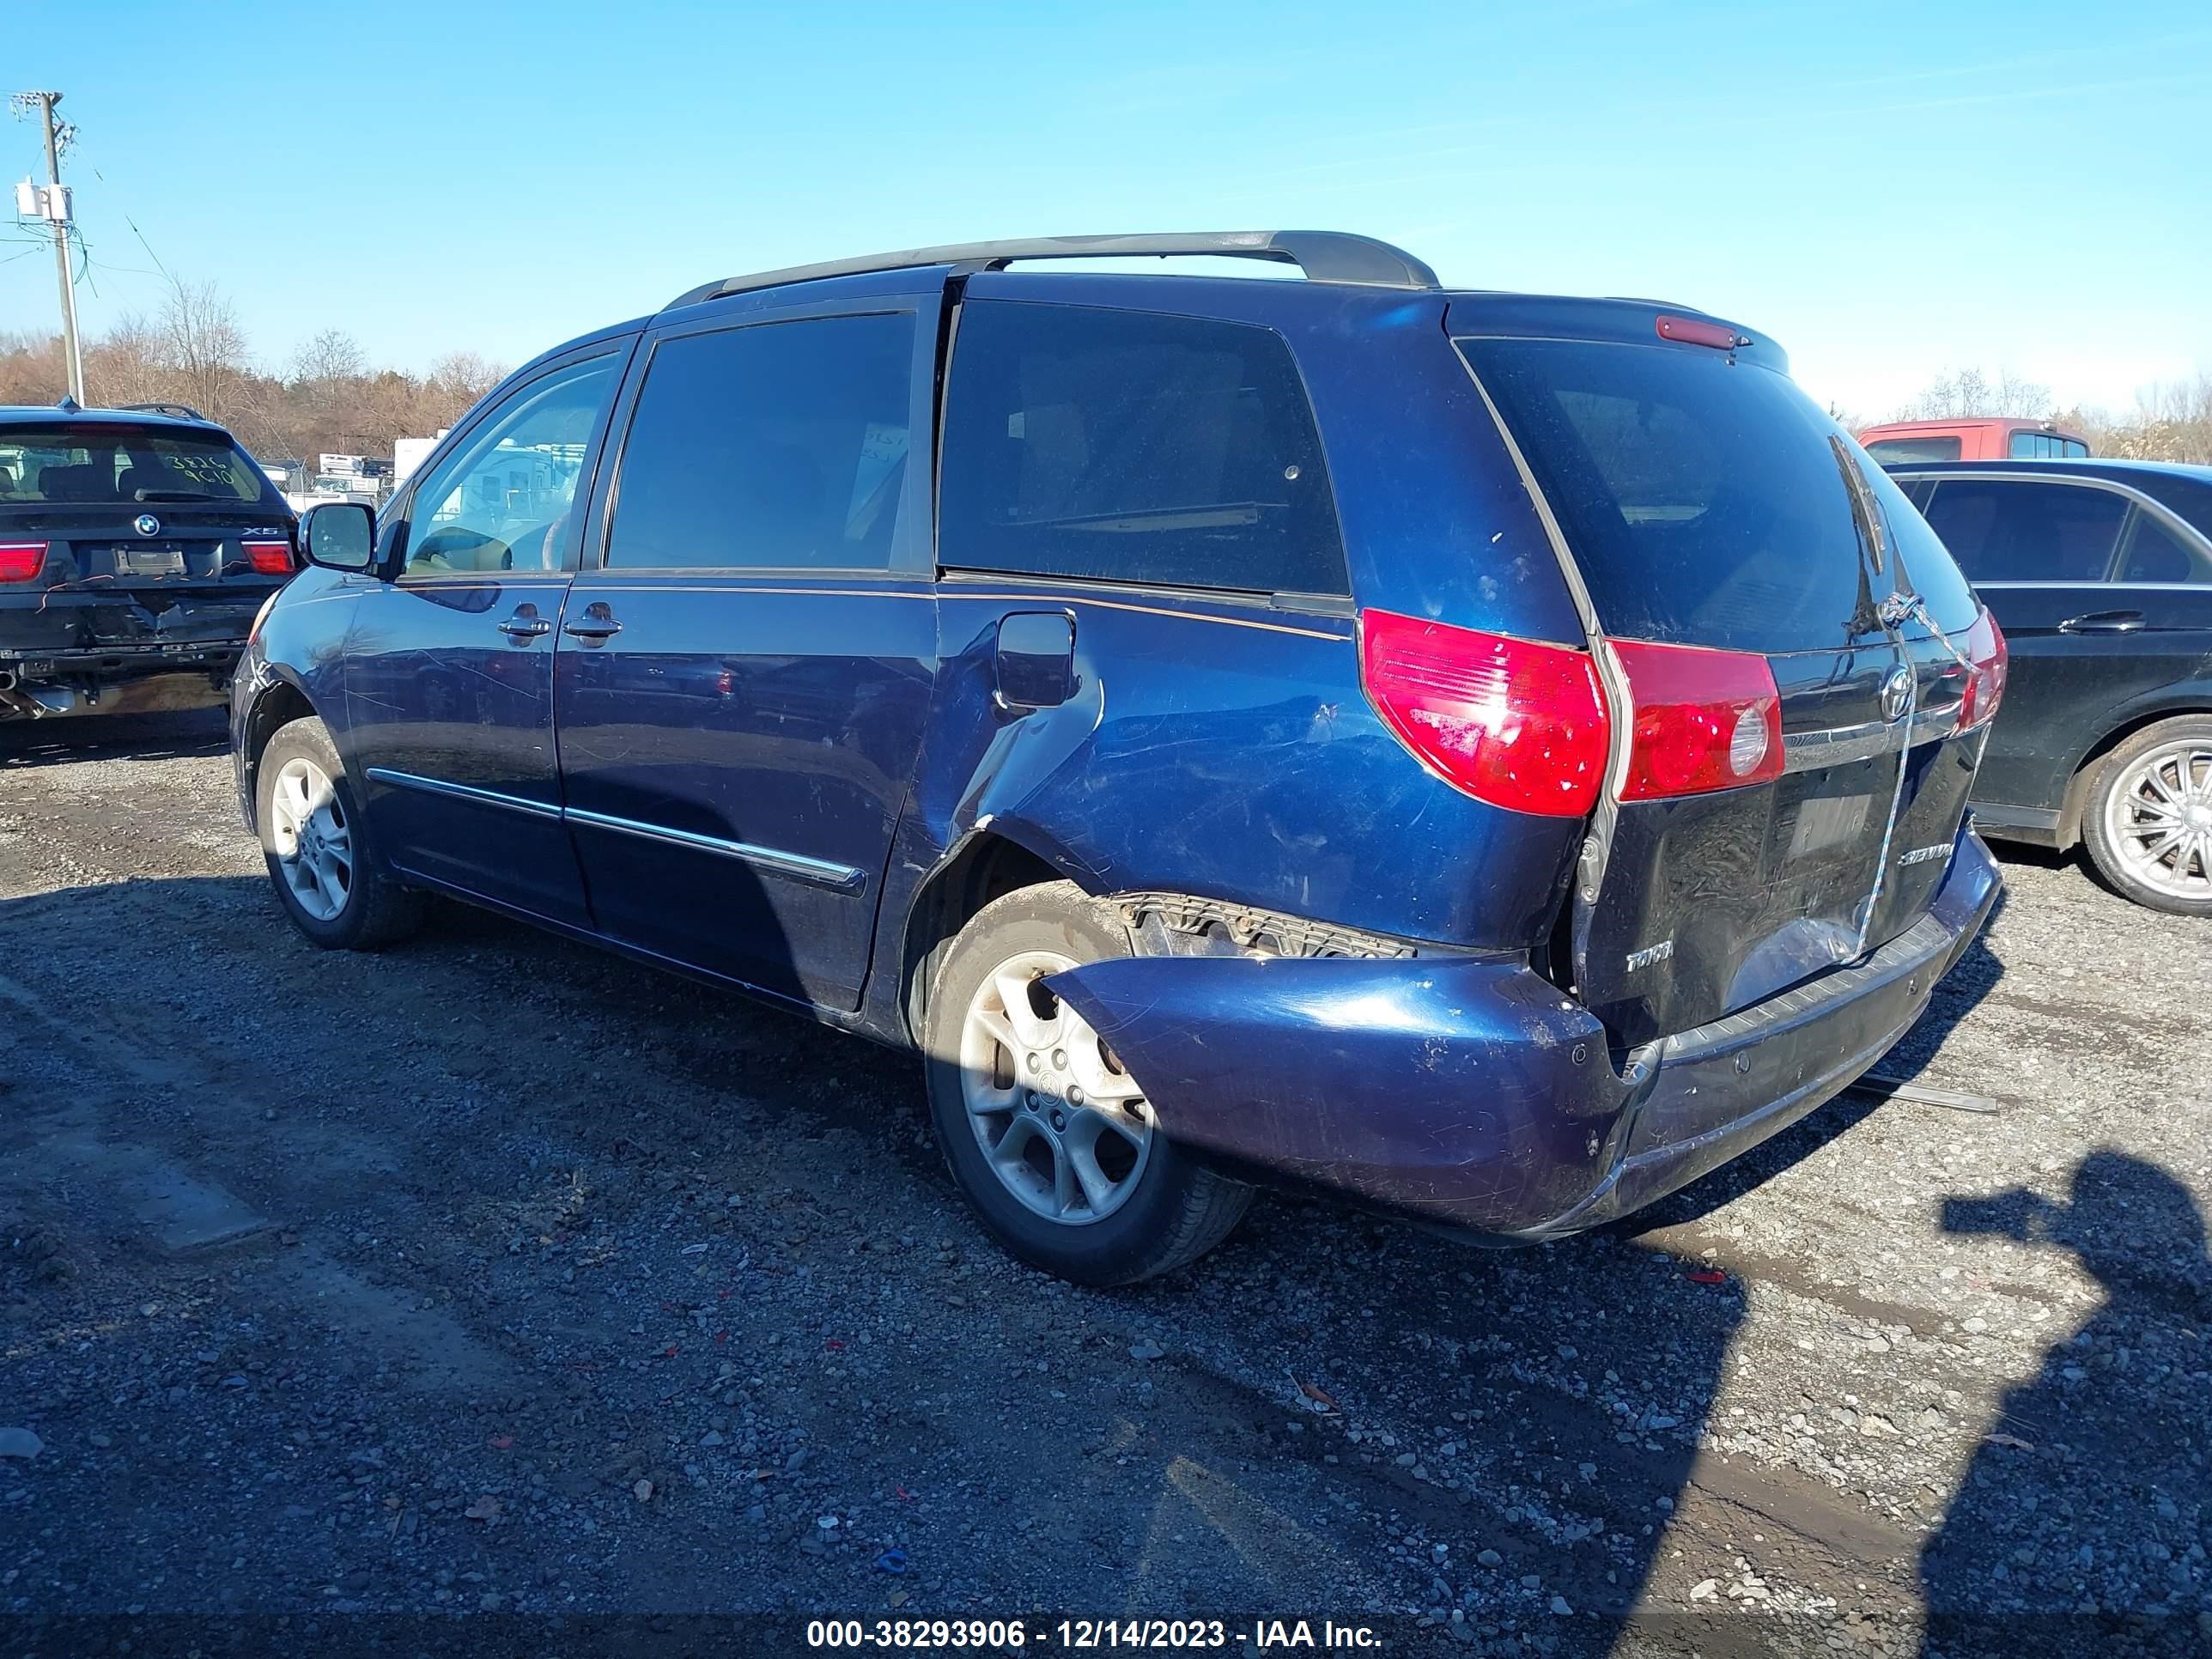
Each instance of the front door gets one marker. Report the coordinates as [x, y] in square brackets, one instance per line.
[449, 669]
[741, 684]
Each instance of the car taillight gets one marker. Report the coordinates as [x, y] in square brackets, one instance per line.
[1703, 719]
[1512, 722]
[20, 561]
[1986, 657]
[268, 558]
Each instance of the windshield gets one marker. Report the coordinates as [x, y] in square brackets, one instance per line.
[1702, 499]
[109, 462]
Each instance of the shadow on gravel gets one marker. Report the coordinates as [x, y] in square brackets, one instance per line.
[179, 735]
[2080, 1524]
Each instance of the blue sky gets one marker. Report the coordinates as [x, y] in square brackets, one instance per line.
[1892, 190]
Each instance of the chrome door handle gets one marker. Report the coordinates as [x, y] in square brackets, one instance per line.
[2104, 621]
[597, 624]
[525, 625]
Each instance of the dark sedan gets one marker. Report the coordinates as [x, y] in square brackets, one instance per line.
[2100, 573]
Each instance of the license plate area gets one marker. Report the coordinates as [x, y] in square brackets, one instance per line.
[150, 563]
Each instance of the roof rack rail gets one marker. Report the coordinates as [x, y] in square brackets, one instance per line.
[1325, 256]
[174, 411]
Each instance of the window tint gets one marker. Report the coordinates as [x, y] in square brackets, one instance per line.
[501, 502]
[108, 462]
[1704, 501]
[2156, 554]
[778, 445]
[1890, 451]
[1133, 446]
[2004, 530]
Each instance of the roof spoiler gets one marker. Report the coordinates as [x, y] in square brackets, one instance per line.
[1325, 256]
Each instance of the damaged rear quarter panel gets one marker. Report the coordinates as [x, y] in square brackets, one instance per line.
[1223, 748]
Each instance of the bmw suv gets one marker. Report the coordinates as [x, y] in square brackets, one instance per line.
[1489, 757]
[136, 545]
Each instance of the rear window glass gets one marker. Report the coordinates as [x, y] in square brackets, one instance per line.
[2156, 554]
[105, 463]
[2019, 530]
[1702, 501]
[2045, 447]
[1133, 446]
[1891, 451]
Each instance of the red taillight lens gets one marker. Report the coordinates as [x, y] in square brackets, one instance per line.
[1986, 653]
[268, 558]
[20, 561]
[1508, 721]
[1703, 720]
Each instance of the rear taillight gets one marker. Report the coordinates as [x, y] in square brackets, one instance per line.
[20, 561]
[1512, 722]
[1986, 659]
[268, 558]
[1703, 720]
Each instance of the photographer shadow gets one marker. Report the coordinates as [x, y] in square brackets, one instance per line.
[2081, 1524]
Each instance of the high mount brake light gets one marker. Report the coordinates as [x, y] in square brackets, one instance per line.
[1703, 719]
[20, 561]
[268, 558]
[1693, 332]
[1987, 658]
[1512, 722]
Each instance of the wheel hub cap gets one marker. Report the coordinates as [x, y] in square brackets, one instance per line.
[312, 840]
[1064, 1129]
[2160, 818]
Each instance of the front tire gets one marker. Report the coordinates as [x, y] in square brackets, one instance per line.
[2148, 820]
[1047, 1136]
[316, 845]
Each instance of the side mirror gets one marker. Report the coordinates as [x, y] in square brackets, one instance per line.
[339, 535]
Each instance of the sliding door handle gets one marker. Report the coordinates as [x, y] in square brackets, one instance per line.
[597, 624]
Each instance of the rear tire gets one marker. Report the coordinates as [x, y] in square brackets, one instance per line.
[1073, 1175]
[2148, 820]
[328, 880]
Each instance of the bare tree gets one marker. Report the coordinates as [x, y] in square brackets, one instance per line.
[1968, 393]
[328, 361]
[206, 348]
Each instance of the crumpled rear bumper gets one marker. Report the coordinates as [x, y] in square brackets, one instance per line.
[1474, 1093]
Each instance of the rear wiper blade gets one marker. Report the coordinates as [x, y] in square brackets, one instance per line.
[172, 496]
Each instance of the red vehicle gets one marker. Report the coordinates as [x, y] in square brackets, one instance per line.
[1975, 439]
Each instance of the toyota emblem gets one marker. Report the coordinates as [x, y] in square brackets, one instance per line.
[1896, 693]
[147, 525]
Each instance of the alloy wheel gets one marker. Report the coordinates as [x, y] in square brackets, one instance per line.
[1064, 1129]
[2160, 818]
[314, 842]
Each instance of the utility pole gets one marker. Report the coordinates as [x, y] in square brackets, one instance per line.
[55, 208]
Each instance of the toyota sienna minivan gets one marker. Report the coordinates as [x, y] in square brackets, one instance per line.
[1491, 757]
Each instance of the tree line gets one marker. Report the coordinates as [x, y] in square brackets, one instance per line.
[2171, 421]
[329, 398]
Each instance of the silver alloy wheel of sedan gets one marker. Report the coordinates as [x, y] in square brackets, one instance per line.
[2159, 817]
[1066, 1130]
[314, 842]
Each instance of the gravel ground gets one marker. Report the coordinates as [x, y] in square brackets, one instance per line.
[497, 1274]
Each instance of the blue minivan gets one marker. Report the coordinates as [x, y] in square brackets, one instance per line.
[1489, 757]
